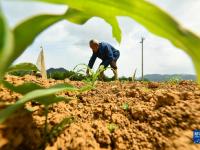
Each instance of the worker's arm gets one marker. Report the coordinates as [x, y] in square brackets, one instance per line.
[109, 58]
[92, 60]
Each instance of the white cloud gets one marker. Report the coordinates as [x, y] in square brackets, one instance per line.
[17, 11]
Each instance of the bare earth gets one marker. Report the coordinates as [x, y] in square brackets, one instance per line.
[159, 116]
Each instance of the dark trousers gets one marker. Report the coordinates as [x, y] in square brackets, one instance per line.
[113, 65]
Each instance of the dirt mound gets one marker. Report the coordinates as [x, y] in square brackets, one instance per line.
[114, 115]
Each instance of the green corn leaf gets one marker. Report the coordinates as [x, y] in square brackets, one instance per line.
[57, 129]
[2, 31]
[116, 31]
[36, 95]
[28, 87]
[86, 88]
[24, 67]
[69, 86]
[22, 89]
[77, 16]
[48, 100]
[150, 16]
[6, 45]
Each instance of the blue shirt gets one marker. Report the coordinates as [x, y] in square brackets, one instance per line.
[106, 53]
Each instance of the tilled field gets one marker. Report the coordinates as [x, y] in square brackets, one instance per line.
[115, 115]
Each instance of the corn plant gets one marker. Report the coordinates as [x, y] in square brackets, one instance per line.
[23, 66]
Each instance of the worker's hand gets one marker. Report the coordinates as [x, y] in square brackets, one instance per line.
[101, 67]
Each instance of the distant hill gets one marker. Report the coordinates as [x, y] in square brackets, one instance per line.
[62, 73]
[51, 70]
[165, 77]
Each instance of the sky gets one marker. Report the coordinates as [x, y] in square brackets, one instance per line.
[66, 44]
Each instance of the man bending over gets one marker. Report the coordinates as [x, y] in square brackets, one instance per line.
[107, 53]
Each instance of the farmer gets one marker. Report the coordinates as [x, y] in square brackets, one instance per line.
[107, 53]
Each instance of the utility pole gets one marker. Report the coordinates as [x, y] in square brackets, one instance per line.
[142, 42]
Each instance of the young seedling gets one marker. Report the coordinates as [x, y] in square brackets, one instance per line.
[57, 129]
[125, 106]
[93, 76]
[174, 80]
[112, 127]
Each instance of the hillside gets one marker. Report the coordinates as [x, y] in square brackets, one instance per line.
[165, 77]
